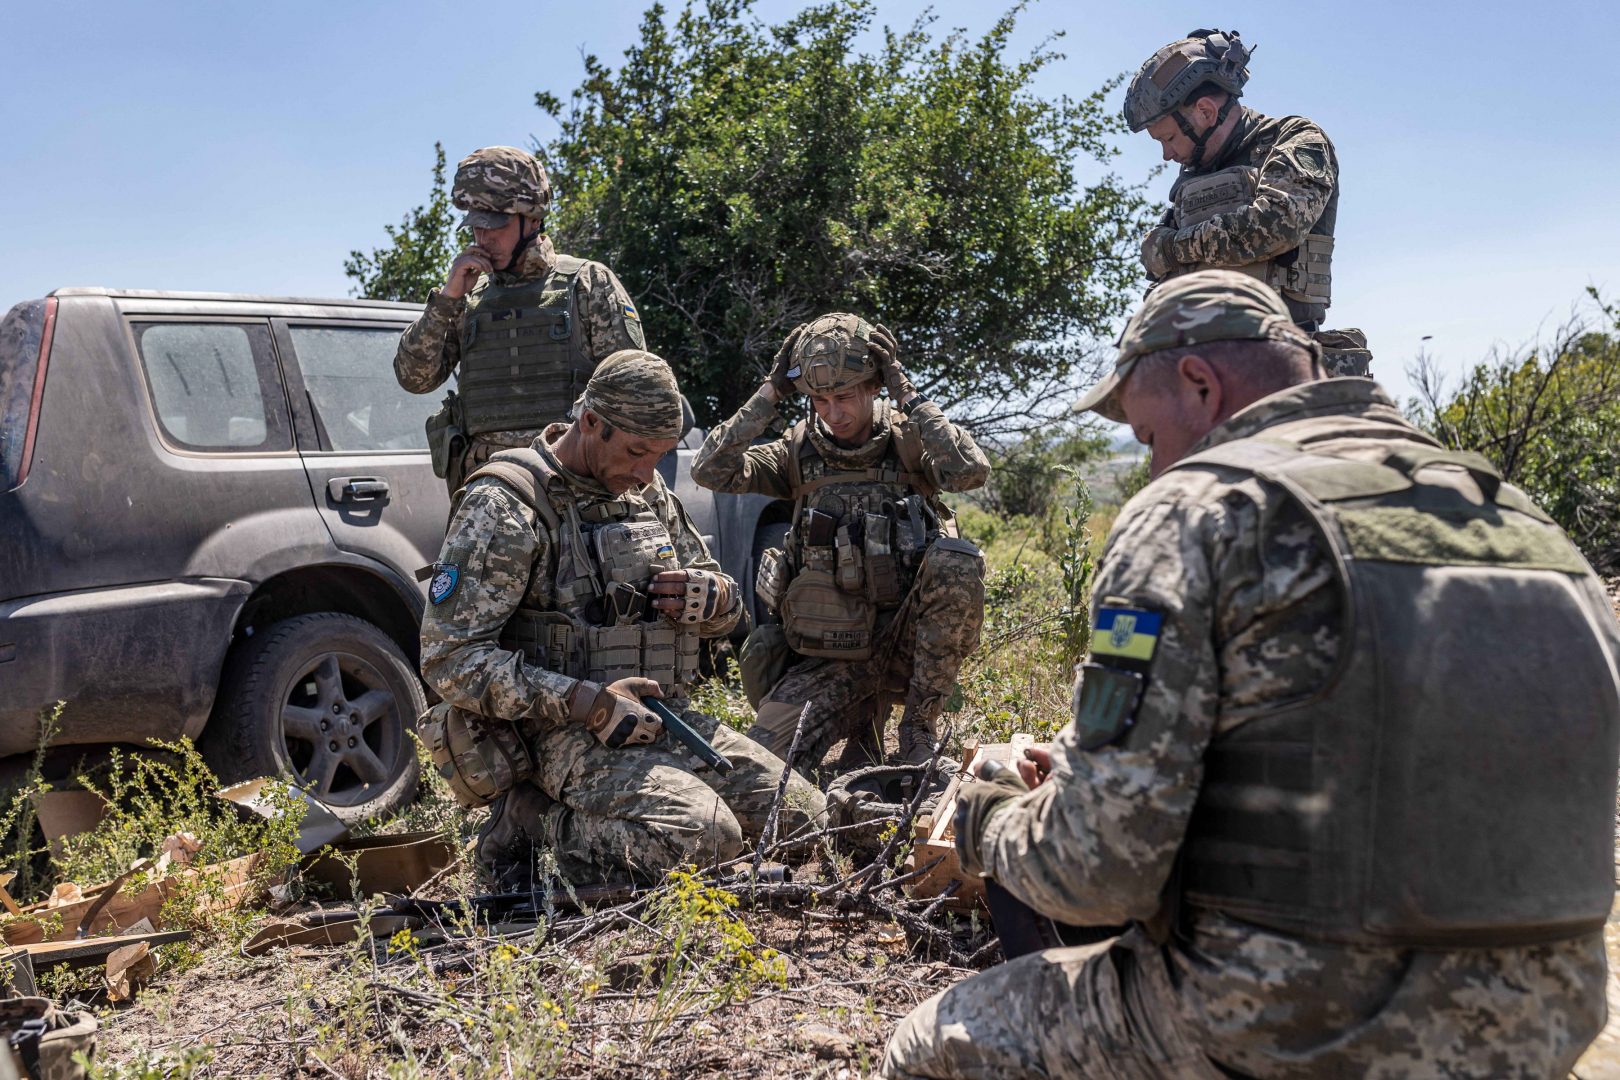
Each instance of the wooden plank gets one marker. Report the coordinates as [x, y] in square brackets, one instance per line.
[83, 951]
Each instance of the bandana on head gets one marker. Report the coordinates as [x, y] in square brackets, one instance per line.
[636, 392]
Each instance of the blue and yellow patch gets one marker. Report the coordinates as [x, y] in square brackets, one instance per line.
[630, 312]
[1125, 634]
[666, 551]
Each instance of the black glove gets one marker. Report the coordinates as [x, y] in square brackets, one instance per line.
[784, 360]
[975, 803]
[887, 350]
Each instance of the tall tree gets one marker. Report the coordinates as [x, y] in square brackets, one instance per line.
[419, 251]
[742, 178]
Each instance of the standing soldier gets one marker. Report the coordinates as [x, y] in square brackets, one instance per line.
[876, 593]
[525, 324]
[1343, 751]
[571, 584]
[1256, 194]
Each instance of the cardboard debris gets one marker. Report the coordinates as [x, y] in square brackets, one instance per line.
[129, 969]
[325, 928]
[401, 863]
[320, 826]
[935, 839]
[67, 813]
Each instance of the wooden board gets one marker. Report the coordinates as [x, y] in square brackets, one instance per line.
[933, 837]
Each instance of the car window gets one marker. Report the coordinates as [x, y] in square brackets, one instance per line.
[21, 332]
[210, 382]
[349, 373]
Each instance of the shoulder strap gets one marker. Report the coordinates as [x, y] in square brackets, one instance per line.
[567, 266]
[907, 439]
[526, 473]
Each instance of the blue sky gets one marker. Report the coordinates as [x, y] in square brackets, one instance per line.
[242, 148]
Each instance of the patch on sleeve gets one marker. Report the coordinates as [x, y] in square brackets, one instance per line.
[1311, 160]
[630, 311]
[1123, 641]
[444, 582]
[1126, 634]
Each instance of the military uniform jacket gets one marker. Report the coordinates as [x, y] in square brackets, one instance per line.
[1243, 614]
[1298, 194]
[430, 349]
[496, 558]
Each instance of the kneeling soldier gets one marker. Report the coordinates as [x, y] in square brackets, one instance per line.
[876, 593]
[571, 585]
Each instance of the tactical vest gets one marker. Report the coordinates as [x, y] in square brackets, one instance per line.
[1303, 274]
[604, 555]
[523, 359]
[855, 543]
[1453, 782]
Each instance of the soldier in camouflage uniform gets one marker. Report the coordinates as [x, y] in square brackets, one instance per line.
[1343, 753]
[877, 595]
[524, 324]
[1256, 193]
[571, 584]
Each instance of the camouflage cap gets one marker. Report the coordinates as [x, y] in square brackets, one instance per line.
[636, 392]
[1204, 306]
[496, 182]
[1175, 71]
[832, 353]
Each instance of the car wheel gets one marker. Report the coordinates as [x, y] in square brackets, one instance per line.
[327, 700]
[767, 536]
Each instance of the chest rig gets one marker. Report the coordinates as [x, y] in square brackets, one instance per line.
[857, 538]
[587, 614]
[1453, 783]
[523, 359]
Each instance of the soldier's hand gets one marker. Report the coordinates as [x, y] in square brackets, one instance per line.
[464, 273]
[780, 385]
[614, 713]
[1034, 767]
[887, 350]
[1158, 258]
[691, 596]
[996, 786]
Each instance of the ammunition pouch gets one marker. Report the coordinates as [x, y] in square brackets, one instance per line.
[771, 579]
[764, 659]
[1304, 274]
[657, 650]
[38, 1040]
[446, 439]
[479, 758]
[821, 618]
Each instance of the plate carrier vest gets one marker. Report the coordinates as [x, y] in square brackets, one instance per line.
[1303, 274]
[604, 556]
[1453, 782]
[523, 360]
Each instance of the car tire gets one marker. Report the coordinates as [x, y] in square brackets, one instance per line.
[327, 700]
[772, 534]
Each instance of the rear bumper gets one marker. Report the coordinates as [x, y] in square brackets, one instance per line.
[132, 663]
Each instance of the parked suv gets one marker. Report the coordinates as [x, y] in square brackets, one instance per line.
[212, 513]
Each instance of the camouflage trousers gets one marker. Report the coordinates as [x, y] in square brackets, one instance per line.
[917, 657]
[469, 452]
[638, 811]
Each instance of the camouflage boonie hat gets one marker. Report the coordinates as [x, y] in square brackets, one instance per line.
[636, 392]
[1175, 71]
[832, 353]
[1204, 306]
[496, 182]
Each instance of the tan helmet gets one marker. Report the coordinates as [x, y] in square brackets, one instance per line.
[496, 182]
[1171, 75]
[832, 352]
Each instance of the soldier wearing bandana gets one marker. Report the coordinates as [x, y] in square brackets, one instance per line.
[519, 325]
[1343, 753]
[1257, 194]
[571, 585]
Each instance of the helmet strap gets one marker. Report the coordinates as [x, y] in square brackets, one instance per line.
[524, 244]
[1198, 141]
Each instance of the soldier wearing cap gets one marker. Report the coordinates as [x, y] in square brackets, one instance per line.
[1343, 752]
[877, 595]
[520, 325]
[1257, 194]
[570, 585]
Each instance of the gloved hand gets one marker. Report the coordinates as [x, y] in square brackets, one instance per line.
[778, 379]
[975, 803]
[887, 350]
[1158, 255]
[614, 713]
[691, 596]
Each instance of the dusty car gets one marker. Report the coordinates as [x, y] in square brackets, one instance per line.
[213, 509]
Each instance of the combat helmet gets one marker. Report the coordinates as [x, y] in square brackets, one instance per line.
[1171, 75]
[498, 181]
[833, 352]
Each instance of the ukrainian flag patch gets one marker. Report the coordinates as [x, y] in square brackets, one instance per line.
[1126, 634]
[666, 551]
[630, 312]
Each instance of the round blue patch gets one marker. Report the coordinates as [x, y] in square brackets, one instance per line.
[444, 582]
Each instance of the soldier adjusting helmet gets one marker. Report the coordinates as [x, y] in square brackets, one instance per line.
[1171, 75]
[496, 182]
[833, 352]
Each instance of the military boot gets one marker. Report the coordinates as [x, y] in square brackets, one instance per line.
[916, 734]
[505, 844]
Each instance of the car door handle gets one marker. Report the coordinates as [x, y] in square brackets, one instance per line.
[355, 488]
